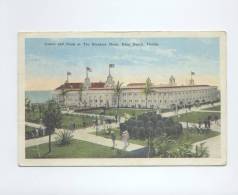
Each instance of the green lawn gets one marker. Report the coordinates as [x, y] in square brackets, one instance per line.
[33, 117]
[215, 108]
[83, 149]
[29, 129]
[190, 136]
[118, 137]
[77, 149]
[194, 117]
[67, 120]
[79, 121]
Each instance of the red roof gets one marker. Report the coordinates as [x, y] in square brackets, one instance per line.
[78, 85]
[100, 85]
[97, 85]
[164, 87]
[135, 84]
[70, 86]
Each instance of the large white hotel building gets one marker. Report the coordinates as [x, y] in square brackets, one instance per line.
[89, 94]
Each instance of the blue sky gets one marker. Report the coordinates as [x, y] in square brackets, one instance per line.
[46, 65]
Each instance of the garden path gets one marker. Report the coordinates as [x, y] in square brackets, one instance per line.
[85, 134]
[213, 144]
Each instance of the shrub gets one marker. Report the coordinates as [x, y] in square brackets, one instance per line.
[64, 137]
[151, 125]
[162, 147]
[201, 151]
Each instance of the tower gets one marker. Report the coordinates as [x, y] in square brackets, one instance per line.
[87, 82]
[172, 81]
[191, 81]
[110, 82]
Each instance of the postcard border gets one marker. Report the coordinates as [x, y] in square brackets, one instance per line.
[22, 161]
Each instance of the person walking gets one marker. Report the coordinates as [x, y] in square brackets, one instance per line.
[125, 138]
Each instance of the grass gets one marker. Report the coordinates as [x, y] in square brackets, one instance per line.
[67, 120]
[76, 149]
[29, 129]
[215, 108]
[195, 117]
[33, 117]
[102, 133]
[83, 149]
[190, 136]
[80, 121]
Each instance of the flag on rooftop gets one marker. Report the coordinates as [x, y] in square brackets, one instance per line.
[89, 69]
[69, 73]
[192, 73]
[111, 65]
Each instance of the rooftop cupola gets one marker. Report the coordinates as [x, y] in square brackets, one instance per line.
[110, 82]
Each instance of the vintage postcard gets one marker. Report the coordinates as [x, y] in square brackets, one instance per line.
[122, 98]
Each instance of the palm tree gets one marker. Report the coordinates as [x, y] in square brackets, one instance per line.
[147, 90]
[117, 90]
[80, 94]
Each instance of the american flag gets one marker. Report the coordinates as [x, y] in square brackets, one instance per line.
[89, 69]
[111, 65]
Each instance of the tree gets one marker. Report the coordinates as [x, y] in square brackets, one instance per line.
[27, 107]
[147, 90]
[117, 90]
[33, 108]
[162, 145]
[52, 118]
[41, 108]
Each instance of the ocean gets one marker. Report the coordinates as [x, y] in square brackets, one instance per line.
[39, 96]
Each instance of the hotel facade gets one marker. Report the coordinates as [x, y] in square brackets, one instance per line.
[89, 94]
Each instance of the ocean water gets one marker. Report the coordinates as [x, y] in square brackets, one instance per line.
[39, 96]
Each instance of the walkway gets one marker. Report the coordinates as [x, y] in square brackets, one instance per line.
[34, 125]
[85, 133]
[183, 111]
[216, 111]
[214, 126]
[214, 146]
